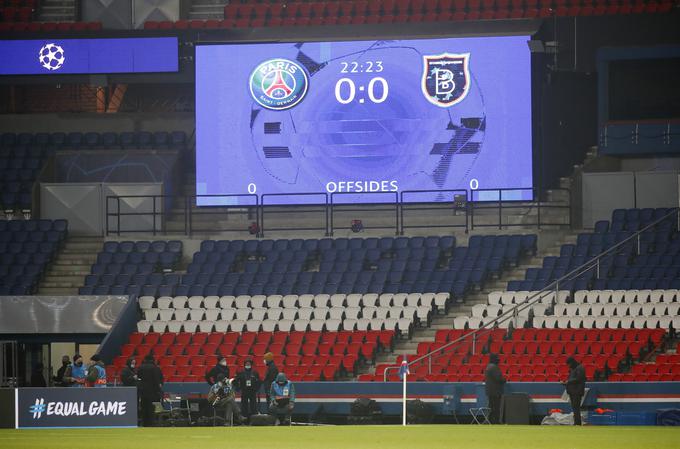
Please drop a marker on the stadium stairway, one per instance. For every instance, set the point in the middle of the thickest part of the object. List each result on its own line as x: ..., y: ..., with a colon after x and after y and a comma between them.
x: 57, y: 11
x: 409, y: 347
x: 67, y: 273
x: 207, y: 9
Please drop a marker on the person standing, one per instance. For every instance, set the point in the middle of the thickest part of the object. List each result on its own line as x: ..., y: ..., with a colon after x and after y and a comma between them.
x: 59, y: 378
x: 248, y: 383
x: 151, y: 388
x: 76, y: 373
x: 128, y: 376
x: 494, y: 383
x: 270, y: 375
x: 37, y: 377
x: 282, y: 399
x: 220, y: 368
x: 96, y: 373
x: 576, y: 387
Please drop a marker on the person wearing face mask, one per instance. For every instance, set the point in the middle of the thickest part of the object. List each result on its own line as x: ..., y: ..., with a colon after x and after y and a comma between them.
x: 96, y: 373
x: 59, y: 378
x: 76, y: 373
x: 220, y: 368
x: 270, y: 375
x: 248, y: 382
x: 282, y: 396
x: 128, y: 376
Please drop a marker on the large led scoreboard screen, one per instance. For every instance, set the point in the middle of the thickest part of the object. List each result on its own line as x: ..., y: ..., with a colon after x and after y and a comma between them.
x: 362, y: 116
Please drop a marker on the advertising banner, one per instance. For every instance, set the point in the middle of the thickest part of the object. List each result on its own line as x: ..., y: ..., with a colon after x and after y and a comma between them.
x: 75, y: 407
x: 70, y: 56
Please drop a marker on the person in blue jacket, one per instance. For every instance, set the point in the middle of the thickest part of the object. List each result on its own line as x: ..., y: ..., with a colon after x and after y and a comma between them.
x: 76, y: 373
x: 282, y: 399
x: 96, y: 373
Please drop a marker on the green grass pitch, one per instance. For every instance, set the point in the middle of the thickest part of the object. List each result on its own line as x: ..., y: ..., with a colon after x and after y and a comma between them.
x: 349, y: 437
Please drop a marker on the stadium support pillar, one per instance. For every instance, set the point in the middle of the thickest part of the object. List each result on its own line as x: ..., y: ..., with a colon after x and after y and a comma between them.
x: 101, y: 99
x: 116, y: 99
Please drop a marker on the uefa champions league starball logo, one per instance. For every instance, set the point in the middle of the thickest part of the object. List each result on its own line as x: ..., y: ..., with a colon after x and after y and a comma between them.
x: 51, y: 56
x: 278, y: 84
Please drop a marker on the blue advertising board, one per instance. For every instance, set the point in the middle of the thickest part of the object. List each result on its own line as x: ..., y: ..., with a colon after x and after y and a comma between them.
x: 75, y: 407
x: 80, y: 56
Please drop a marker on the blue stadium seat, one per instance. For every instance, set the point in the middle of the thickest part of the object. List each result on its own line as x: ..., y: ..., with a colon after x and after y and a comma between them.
x: 161, y: 140
x: 109, y: 140
x: 144, y: 140
x: 58, y: 139
x: 8, y: 139
x: 74, y: 140
x: 91, y: 140
x: 178, y: 140
x: 128, y: 140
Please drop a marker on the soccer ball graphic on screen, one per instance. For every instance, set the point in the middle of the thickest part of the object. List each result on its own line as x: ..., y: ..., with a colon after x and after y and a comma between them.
x: 51, y: 56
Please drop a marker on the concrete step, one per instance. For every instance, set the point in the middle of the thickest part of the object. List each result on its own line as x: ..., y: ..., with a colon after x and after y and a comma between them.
x: 69, y: 270
x: 77, y: 260
x: 60, y: 291
x: 84, y: 245
x: 51, y: 277
x: 70, y: 285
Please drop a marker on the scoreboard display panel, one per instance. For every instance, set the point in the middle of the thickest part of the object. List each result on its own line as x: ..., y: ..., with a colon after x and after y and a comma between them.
x: 362, y: 117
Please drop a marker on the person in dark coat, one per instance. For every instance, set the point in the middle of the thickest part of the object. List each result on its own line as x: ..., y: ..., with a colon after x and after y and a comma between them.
x: 248, y: 383
x: 59, y: 378
x: 151, y: 388
x: 493, y: 383
x: 220, y: 368
x: 37, y: 377
x: 576, y: 387
x: 270, y: 375
x: 128, y: 376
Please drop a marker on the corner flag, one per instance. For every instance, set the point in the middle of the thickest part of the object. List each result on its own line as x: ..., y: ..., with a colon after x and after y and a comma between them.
x: 403, y: 373
x: 403, y: 369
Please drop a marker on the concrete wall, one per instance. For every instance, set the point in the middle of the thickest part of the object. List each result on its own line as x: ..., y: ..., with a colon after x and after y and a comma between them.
x: 604, y: 192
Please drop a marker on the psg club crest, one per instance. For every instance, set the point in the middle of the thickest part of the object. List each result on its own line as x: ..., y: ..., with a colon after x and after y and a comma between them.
x: 278, y: 84
x: 446, y: 78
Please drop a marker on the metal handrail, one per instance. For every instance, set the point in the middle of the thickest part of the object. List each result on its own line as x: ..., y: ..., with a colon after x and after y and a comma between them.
x: 294, y: 211
x: 399, y: 204
x: 154, y: 213
x: 428, y: 205
x: 333, y: 205
x: 538, y: 295
x: 534, y: 202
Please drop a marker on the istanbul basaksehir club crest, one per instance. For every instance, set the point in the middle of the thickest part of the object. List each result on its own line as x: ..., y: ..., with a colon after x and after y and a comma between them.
x: 278, y: 84
x: 446, y: 78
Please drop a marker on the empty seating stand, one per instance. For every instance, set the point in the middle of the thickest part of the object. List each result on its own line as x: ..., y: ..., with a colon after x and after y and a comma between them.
x: 134, y: 268
x: 12, y: 11
x: 653, y: 264
x: 253, y: 14
x: 345, y: 266
x: 21, y: 160
x: 313, y: 337
x: 533, y: 355
x: 26, y: 247
x: 23, y: 155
